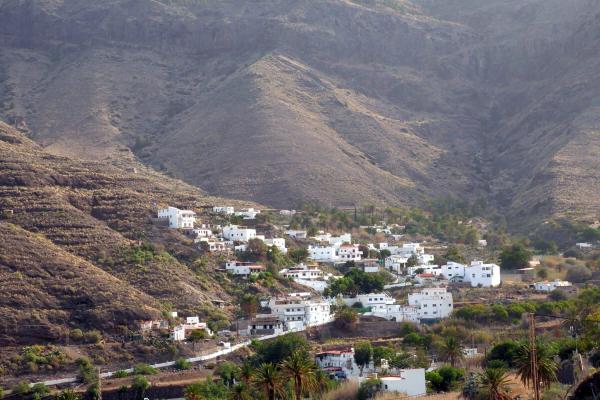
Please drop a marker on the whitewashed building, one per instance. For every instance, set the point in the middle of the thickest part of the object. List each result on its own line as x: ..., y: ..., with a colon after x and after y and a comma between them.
x: 409, y: 382
x: 340, y: 240
x: 178, y: 219
x: 298, y: 311
x: 338, y: 361
x: 396, y: 263
x: 349, y: 252
x: 384, y: 306
x: 484, y: 275
x: 238, y: 233
x: 432, y: 303
x: 296, y: 234
x: 279, y: 243
x: 302, y: 271
x: 323, y: 254
x: 226, y: 210
x: 248, y: 213
x: 243, y: 268
x: 547, y: 286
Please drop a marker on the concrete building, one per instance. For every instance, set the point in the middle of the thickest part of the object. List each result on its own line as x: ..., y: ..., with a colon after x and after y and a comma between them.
x: 409, y: 382
x: 238, y: 233
x: 547, y: 286
x: 323, y: 254
x: 226, y: 210
x: 338, y: 362
x: 432, y: 303
x: 266, y: 324
x: 396, y: 263
x: 248, y: 213
x: 302, y: 271
x: 277, y: 242
x: 243, y: 268
x: 384, y: 306
x: 296, y: 234
x: 349, y: 252
x: 299, y: 311
x: 178, y: 219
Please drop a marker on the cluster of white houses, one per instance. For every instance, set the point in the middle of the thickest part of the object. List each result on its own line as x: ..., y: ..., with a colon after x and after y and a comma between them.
x: 426, y: 304
x: 340, y: 364
x: 292, y: 312
x: 183, y: 328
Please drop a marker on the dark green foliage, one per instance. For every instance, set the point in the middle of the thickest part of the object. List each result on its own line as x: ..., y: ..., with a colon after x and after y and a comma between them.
x: 355, y: 282
x: 505, y: 352
x: 444, y: 379
x: 578, y: 274
x: 140, y: 384
x: 515, y: 256
x: 363, y: 353
x: 368, y: 389
x: 298, y: 255
x: 273, y: 351
x: 182, y: 364
x: 144, y: 369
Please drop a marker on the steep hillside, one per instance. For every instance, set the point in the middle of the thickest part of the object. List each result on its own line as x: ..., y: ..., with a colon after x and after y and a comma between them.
x: 70, y: 253
x: 339, y: 101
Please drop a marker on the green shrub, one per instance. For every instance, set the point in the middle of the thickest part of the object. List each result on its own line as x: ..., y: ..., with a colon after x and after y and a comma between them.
x: 144, y: 369
x: 182, y: 364
x: 22, y: 388
x: 120, y: 374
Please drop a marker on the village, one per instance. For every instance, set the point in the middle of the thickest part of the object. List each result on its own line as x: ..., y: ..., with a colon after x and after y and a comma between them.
x: 416, y: 289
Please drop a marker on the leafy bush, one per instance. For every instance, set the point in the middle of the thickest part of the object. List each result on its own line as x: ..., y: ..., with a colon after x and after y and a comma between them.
x: 506, y: 352
x: 275, y: 350
x: 368, y: 389
x: 515, y: 256
x: 445, y: 378
x: 182, y: 364
x: 578, y: 274
x: 144, y: 369
x: 206, y: 390
x: 120, y: 374
x: 22, y: 388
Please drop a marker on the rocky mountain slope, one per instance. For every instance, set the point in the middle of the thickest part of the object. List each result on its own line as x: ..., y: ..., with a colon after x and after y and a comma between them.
x: 338, y: 101
x: 70, y: 254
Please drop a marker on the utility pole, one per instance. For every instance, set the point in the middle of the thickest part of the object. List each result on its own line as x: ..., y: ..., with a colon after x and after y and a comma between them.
x: 533, y: 354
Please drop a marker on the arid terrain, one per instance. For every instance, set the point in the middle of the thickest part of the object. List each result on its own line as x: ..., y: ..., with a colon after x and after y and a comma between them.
x: 337, y: 101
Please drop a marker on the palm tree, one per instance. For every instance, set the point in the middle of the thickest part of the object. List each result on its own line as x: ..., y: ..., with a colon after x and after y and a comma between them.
x: 268, y: 379
x: 240, y: 392
x: 246, y: 372
x: 546, y: 367
x: 451, y: 351
x: 322, y: 383
x: 495, y: 381
x: 301, y: 370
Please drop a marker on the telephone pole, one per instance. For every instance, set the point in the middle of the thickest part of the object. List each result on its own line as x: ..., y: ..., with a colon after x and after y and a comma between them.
x: 533, y: 355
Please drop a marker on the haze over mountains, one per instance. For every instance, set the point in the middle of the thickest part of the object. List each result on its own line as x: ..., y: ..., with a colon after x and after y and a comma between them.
x: 338, y: 101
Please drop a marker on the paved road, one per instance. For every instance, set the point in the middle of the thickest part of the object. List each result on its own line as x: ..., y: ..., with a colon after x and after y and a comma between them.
x: 206, y: 357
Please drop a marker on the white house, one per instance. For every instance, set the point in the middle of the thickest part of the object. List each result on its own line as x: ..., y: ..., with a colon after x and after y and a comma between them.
x: 216, y: 245
x: 349, y: 252
x: 396, y: 263
x: 432, y: 303
x: 383, y: 305
x: 300, y: 311
x: 227, y: 210
x: 477, y: 274
x: 484, y: 275
x: 323, y: 254
x: 296, y: 234
x: 266, y: 324
x: 546, y: 286
x: 302, y: 271
x: 238, y: 233
x: 243, y: 268
x: 338, y: 361
x: 178, y: 333
x: 410, y: 382
x: 248, y: 213
x: 584, y: 245
x: 178, y: 219
x: 339, y: 240
x: 277, y: 242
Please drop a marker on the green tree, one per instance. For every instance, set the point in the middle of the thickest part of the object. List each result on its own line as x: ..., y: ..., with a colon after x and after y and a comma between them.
x: 451, y: 351
x: 206, y: 390
x: 368, y: 389
x: 246, y: 372
x: 240, y: 391
x: 228, y: 372
x: 249, y: 305
x: 546, y: 366
x: 454, y: 254
x: 269, y: 380
x: 515, y: 256
x: 496, y: 383
x: 578, y: 274
x: 139, y: 385
x: 346, y: 318
x: 301, y: 369
x: 298, y: 255
x: 363, y: 353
